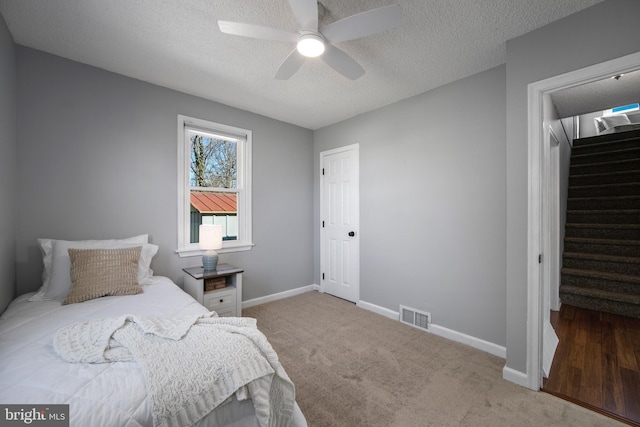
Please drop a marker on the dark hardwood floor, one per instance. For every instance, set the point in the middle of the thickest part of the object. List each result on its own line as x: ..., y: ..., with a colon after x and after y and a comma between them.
x: 597, y: 362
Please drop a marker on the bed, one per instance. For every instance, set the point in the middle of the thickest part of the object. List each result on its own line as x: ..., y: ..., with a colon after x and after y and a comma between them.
x: 36, y: 365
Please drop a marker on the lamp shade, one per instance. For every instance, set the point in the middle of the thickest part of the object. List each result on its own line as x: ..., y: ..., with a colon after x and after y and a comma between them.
x: 210, y: 236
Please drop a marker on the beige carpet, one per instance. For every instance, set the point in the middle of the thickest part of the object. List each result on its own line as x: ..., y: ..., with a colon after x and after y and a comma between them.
x: 352, y: 367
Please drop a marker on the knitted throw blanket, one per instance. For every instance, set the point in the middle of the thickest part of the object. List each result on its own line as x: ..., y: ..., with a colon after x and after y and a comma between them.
x: 191, y: 364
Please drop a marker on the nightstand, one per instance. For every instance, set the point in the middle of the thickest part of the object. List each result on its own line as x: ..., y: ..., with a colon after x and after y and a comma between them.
x: 227, y: 300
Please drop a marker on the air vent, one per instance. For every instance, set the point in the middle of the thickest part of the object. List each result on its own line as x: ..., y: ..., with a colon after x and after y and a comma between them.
x: 416, y: 318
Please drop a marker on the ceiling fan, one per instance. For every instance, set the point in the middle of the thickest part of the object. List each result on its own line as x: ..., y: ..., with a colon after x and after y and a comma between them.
x: 313, y: 41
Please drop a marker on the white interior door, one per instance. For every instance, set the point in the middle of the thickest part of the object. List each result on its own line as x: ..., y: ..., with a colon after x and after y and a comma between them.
x: 549, y: 244
x: 340, y: 214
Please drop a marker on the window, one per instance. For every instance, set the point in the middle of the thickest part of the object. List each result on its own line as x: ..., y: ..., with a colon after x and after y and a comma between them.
x: 621, y: 109
x: 214, y: 183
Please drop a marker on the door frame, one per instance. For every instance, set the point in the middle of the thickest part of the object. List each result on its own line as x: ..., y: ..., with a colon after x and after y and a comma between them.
x: 353, y: 147
x: 537, y: 286
x: 552, y: 268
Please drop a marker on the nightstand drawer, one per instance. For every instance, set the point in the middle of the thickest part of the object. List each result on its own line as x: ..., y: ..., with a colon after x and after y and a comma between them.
x: 227, y: 300
x: 219, y: 300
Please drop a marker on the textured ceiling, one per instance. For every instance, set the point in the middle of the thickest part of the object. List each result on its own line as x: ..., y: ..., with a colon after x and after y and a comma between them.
x: 599, y: 95
x: 177, y: 44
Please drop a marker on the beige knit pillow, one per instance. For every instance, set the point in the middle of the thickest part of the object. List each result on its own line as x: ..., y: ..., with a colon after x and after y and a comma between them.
x: 98, y: 273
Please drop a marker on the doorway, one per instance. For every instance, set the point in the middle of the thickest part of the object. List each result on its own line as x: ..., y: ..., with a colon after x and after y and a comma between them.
x: 340, y: 222
x: 538, y: 285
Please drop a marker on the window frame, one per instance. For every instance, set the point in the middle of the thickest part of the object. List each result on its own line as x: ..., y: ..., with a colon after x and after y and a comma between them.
x: 243, y: 139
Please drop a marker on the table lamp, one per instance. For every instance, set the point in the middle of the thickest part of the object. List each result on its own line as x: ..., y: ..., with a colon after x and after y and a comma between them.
x: 210, y: 240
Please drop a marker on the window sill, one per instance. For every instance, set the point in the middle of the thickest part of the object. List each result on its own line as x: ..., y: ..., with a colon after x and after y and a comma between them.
x: 189, y: 252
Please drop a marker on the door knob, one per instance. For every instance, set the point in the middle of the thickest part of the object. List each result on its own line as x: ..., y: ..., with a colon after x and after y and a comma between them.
x: 352, y: 233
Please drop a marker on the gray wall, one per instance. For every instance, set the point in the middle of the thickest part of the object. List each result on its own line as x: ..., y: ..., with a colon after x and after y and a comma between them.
x: 8, y: 175
x: 97, y: 159
x: 432, y: 203
x: 572, y: 43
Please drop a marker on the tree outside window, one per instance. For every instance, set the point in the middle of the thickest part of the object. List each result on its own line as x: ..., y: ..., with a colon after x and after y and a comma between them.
x: 214, y: 161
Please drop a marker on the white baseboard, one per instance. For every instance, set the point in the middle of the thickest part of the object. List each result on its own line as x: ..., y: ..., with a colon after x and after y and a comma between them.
x: 450, y: 334
x: 280, y: 295
x: 393, y: 315
x: 515, y: 377
x: 474, y: 342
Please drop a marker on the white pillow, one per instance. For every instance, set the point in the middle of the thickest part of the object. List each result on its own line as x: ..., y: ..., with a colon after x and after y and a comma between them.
x: 618, y: 119
x: 60, y: 281
x: 600, y: 127
x: 47, y: 249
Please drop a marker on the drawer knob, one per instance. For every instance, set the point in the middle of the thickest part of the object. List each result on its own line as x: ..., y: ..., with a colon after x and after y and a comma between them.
x: 221, y: 300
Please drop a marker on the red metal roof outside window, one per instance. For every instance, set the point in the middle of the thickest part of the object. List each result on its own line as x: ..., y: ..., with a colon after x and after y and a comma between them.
x: 215, y: 203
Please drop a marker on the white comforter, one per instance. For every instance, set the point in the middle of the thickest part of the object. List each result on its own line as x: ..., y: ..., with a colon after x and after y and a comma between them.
x: 191, y: 364
x: 106, y: 394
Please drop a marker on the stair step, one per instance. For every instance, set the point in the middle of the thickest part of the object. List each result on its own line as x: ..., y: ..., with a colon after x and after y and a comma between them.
x: 607, y: 302
x: 605, y: 156
x: 604, y: 216
x: 599, y: 293
x: 571, y: 278
x: 630, y: 248
x: 605, y: 190
x: 606, y: 146
x: 600, y: 167
x: 598, y: 139
x: 588, y: 276
x: 623, y: 177
x: 603, y: 231
x: 599, y: 203
x: 629, y: 266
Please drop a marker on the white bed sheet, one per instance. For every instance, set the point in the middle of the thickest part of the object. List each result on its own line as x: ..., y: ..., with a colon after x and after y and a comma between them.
x: 108, y: 394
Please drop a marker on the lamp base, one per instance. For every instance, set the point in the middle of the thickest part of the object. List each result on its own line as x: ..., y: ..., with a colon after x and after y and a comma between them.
x: 210, y: 260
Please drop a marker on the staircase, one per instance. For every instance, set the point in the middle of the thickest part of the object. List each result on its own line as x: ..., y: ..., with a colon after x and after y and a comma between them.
x: 601, y: 260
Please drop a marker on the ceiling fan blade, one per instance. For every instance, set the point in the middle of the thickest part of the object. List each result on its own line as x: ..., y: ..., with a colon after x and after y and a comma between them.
x: 363, y: 24
x: 256, y: 31
x: 342, y: 63
x: 289, y: 66
x: 306, y: 13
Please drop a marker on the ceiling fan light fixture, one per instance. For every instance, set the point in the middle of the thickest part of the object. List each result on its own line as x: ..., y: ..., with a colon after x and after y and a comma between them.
x: 310, y: 45
x: 313, y: 41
